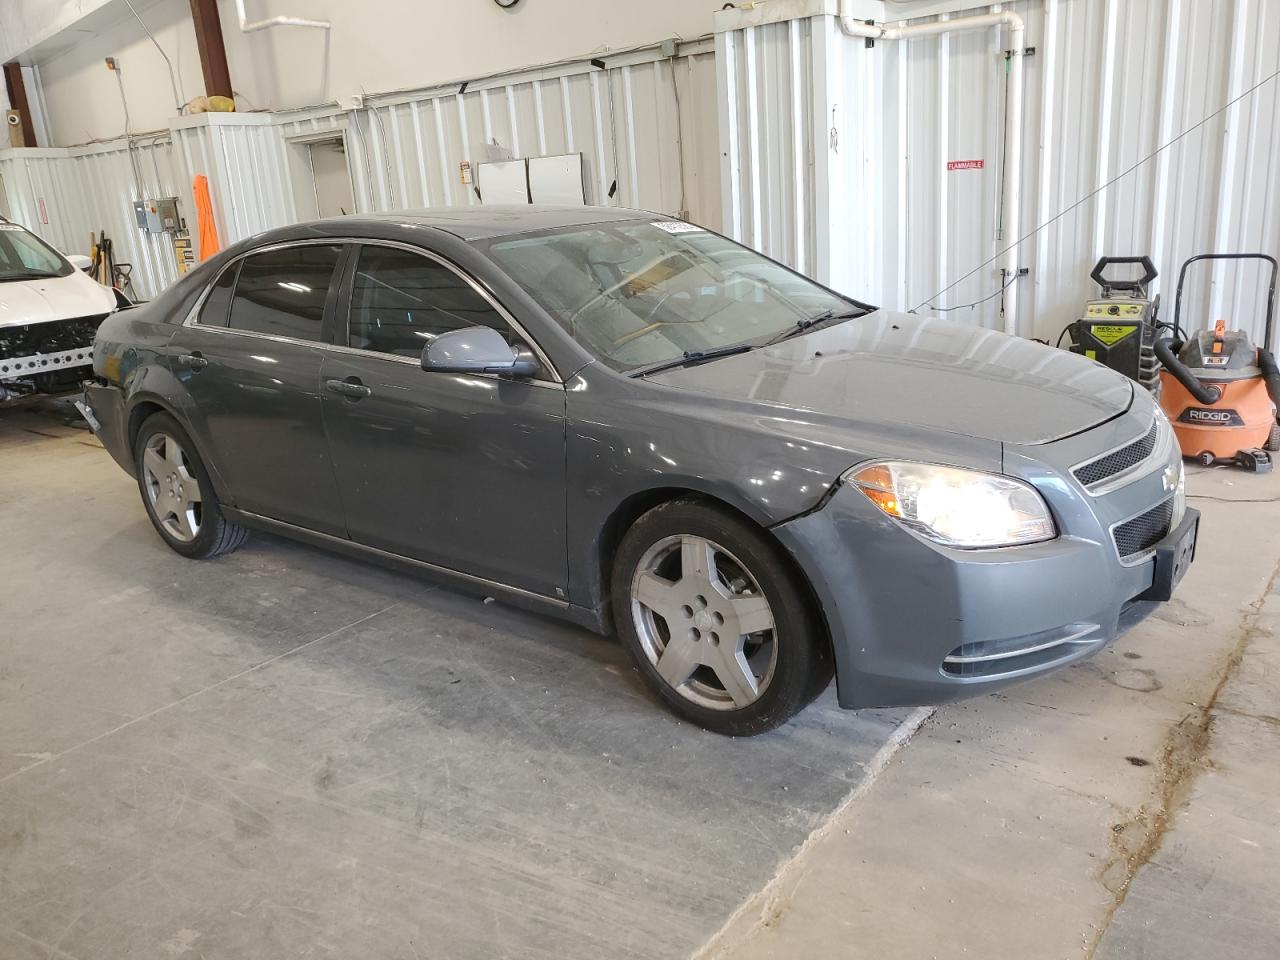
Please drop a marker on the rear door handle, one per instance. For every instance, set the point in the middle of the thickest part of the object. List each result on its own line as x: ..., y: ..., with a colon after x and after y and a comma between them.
x: 193, y: 361
x: 350, y: 388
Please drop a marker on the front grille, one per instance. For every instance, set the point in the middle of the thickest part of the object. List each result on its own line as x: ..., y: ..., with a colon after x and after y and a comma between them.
x: 34, y: 350
x: 1136, y: 536
x: 1119, y: 460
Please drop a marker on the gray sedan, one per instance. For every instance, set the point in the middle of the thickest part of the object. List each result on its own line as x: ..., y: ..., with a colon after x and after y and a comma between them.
x: 642, y: 426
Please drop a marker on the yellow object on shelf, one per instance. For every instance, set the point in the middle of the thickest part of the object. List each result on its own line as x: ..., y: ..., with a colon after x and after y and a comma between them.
x: 215, y: 104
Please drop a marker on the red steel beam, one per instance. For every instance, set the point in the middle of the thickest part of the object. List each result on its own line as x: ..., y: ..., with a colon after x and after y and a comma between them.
x: 18, y: 100
x: 213, y: 54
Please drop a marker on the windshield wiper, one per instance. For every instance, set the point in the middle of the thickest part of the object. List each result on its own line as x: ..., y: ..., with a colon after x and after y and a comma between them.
x: 691, y: 357
x: 805, y: 323
x: 28, y: 275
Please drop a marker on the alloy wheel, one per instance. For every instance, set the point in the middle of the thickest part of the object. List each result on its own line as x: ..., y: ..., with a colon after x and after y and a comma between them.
x: 172, y: 490
x: 704, y: 623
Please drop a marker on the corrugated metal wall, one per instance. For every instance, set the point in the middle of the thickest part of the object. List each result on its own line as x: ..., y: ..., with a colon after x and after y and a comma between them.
x: 834, y: 154
x: 772, y: 135
x: 64, y: 196
x: 37, y: 184
x: 403, y: 151
x: 1109, y: 82
x: 243, y: 157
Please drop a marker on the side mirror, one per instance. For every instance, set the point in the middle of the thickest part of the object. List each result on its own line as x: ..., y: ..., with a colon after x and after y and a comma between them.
x: 80, y: 262
x: 477, y: 350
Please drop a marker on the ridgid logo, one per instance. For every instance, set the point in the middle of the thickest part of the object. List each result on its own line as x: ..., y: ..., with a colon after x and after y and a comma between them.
x: 1221, y: 418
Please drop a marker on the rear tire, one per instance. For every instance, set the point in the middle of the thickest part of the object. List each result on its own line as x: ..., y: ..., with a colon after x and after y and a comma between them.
x: 177, y: 494
x: 716, y: 620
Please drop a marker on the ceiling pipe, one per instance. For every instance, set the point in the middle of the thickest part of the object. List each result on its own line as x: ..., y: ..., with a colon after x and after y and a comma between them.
x: 247, y: 27
x: 1011, y: 215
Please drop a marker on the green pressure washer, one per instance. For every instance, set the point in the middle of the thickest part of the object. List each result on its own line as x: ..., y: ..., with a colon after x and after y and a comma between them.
x: 1119, y: 328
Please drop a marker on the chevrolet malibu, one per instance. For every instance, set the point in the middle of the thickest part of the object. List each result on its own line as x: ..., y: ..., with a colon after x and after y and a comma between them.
x: 642, y: 426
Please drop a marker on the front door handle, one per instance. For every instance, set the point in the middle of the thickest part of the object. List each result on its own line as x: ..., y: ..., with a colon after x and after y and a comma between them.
x: 351, y: 388
x: 193, y: 361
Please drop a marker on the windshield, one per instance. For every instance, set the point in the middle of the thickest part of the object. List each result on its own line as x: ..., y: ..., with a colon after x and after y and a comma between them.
x: 24, y: 256
x: 640, y: 293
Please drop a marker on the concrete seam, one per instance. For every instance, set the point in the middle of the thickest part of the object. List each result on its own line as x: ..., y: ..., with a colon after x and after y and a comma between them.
x: 1178, y: 770
x: 792, y: 869
x: 50, y: 949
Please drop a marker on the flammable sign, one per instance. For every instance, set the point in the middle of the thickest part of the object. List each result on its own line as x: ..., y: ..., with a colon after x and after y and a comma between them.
x: 966, y: 164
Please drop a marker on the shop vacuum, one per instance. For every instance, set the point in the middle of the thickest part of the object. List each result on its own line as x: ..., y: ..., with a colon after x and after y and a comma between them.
x: 1220, y: 392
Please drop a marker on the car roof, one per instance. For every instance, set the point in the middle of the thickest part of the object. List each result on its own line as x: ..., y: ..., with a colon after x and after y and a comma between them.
x: 487, y: 222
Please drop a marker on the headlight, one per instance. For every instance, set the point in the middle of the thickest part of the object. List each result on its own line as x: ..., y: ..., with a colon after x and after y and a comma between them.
x: 956, y: 507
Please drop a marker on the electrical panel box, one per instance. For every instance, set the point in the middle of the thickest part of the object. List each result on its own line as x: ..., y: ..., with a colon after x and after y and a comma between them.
x: 167, y: 210
x: 146, y: 220
x: 159, y: 215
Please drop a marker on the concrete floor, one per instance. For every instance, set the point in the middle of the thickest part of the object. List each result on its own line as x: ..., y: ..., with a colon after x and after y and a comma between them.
x: 1212, y: 889
x: 1126, y: 807
x: 282, y: 753
x: 286, y: 754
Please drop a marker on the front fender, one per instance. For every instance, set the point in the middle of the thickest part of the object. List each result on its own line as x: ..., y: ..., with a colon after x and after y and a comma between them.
x: 769, y: 462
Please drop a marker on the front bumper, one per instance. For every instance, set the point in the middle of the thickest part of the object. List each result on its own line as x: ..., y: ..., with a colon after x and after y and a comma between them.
x: 25, y: 367
x: 913, y: 622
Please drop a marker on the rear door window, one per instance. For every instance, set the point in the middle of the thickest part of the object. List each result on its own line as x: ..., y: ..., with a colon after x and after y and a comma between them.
x: 282, y: 292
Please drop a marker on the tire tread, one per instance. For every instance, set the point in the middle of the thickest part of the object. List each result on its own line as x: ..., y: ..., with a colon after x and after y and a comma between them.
x: 224, y: 536
x: 809, y: 668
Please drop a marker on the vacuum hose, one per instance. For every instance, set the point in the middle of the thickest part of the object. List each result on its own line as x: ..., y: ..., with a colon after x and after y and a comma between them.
x: 1167, y: 350
x: 1270, y: 373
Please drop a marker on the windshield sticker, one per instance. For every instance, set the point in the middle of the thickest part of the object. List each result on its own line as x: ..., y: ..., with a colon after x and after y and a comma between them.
x: 677, y: 226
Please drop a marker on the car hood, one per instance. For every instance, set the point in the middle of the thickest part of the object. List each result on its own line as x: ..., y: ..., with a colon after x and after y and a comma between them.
x: 57, y: 298
x: 892, y: 368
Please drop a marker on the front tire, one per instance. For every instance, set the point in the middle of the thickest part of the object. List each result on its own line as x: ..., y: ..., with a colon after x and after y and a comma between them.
x: 716, y: 620
x: 177, y: 494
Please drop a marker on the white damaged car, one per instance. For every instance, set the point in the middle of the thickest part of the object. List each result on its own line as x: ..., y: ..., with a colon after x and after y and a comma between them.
x: 49, y: 313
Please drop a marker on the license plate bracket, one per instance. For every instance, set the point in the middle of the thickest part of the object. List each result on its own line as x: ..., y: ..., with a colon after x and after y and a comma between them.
x: 1174, y: 555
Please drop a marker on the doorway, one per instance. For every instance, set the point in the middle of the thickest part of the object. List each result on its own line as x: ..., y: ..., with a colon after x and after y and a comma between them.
x: 333, y: 194
x: 321, y: 177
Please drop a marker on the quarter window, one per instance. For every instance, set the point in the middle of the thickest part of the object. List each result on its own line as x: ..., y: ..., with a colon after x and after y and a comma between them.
x: 282, y: 292
x: 400, y: 301
x: 213, y: 313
